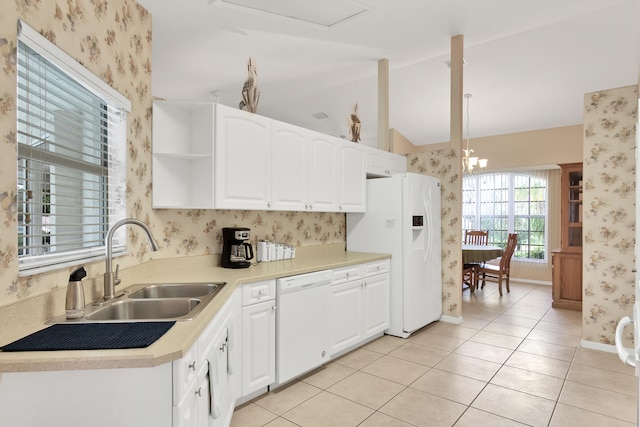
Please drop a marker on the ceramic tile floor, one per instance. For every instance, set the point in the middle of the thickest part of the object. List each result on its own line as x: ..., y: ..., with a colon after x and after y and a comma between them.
x: 514, y: 361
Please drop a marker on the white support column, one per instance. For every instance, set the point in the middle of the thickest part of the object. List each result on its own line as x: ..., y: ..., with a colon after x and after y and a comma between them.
x: 383, y: 104
x: 457, y: 52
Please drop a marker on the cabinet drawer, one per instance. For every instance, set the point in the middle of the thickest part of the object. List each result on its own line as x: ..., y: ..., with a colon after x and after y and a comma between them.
x: 253, y: 293
x: 378, y: 267
x: 346, y: 274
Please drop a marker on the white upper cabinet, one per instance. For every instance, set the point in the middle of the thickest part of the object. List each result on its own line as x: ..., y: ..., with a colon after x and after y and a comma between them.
x: 396, y: 163
x: 305, y: 169
x: 322, y: 158
x: 242, y: 159
x: 289, y: 191
x: 382, y: 163
x: 353, y: 187
x: 210, y: 156
x: 182, y: 155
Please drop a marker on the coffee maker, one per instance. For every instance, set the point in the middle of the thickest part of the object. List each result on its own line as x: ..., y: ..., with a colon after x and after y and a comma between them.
x: 236, y: 252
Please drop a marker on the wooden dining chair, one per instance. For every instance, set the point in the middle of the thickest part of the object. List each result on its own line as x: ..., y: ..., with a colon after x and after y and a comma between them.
x: 473, y: 237
x: 498, y: 273
x: 476, y: 237
x: 468, y: 277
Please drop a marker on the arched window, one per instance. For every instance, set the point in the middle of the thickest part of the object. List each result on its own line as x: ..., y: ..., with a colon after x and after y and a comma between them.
x: 509, y: 202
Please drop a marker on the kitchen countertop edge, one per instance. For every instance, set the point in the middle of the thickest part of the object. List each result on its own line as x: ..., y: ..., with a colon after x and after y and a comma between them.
x: 179, y: 339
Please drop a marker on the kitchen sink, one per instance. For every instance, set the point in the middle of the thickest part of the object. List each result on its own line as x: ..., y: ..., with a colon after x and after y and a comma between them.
x: 151, y: 309
x: 176, y: 290
x: 147, y: 302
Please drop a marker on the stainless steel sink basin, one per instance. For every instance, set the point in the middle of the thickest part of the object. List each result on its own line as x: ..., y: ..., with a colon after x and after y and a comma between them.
x: 151, y: 309
x: 176, y: 290
x: 146, y: 302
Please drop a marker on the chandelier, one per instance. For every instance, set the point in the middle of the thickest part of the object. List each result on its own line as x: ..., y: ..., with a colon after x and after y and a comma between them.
x: 469, y: 161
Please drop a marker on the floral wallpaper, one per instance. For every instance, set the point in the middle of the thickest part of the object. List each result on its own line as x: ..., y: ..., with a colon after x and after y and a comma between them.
x: 609, y: 199
x: 113, y: 40
x: 445, y: 164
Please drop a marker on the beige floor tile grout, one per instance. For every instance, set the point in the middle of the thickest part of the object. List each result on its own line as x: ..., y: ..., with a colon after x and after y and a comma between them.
x: 511, y: 308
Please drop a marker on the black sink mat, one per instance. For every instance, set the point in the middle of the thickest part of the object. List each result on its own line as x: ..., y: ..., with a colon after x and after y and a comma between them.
x: 92, y: 336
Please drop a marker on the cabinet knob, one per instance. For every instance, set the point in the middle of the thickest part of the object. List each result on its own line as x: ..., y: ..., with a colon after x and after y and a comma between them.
x: 192, y: 365
x: 262, y: 292
x: 347, y: 275
x: 274, y: 308
x: 268, y: 204
x: 199, y: 391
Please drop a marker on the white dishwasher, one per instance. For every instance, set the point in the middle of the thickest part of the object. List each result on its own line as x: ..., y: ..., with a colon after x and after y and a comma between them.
x: 303, y: 336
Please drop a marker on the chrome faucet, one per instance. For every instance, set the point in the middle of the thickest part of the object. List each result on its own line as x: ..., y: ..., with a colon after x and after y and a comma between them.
x: 111, y: 279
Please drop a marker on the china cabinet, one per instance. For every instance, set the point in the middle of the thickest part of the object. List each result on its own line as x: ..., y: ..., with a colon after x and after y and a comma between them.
x: 567, y: 260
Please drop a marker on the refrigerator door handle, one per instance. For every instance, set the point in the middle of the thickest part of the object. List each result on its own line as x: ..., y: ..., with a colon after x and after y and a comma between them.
x: 627, y: 357
x: 429, y: 227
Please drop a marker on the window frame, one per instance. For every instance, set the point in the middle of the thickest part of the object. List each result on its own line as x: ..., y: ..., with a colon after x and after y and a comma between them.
x: 510, y: 215
x: 113, y: 204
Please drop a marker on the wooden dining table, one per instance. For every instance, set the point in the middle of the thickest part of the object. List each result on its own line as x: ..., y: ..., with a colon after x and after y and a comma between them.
x: 477, y: 254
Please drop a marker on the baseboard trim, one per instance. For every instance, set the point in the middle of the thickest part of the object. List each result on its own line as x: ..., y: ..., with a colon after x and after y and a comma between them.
x: 532, y: 282
x: 450, y: 319
x: 592, y: 345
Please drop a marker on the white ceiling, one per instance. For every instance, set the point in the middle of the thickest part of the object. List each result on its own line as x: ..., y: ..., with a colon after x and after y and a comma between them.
x: 529, y: 63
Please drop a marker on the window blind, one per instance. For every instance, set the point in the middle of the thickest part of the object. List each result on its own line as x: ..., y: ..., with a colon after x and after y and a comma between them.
x: 71, y: 167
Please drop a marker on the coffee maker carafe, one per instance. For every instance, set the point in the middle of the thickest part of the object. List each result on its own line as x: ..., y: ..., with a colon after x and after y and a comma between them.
x: 236, y: 252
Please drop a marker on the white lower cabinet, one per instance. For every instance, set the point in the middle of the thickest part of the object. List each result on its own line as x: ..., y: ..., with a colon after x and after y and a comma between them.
x: 376, y: 303
x: 206, y: 379
x: 191, y: 410
x: 359, y: 304
x: 258, y: 336
x: 346, y: 315
x: 233, y: 358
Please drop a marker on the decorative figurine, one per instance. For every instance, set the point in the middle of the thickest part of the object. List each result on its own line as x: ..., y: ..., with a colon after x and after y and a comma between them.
x: 354, y: 124
x: 250, y: 94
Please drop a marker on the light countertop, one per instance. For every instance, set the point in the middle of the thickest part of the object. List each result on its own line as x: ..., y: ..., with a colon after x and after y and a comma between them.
x: 177, y: 341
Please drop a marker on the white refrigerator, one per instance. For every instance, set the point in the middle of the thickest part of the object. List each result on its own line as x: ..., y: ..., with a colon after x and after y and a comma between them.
x: 403, y: 219
x: 631, y: 357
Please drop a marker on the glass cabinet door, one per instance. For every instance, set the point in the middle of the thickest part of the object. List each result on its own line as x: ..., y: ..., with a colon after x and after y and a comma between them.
x: 571, y: 210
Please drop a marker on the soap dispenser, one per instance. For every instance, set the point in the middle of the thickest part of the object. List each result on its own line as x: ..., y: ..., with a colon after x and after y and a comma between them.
x: 75, y: 294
